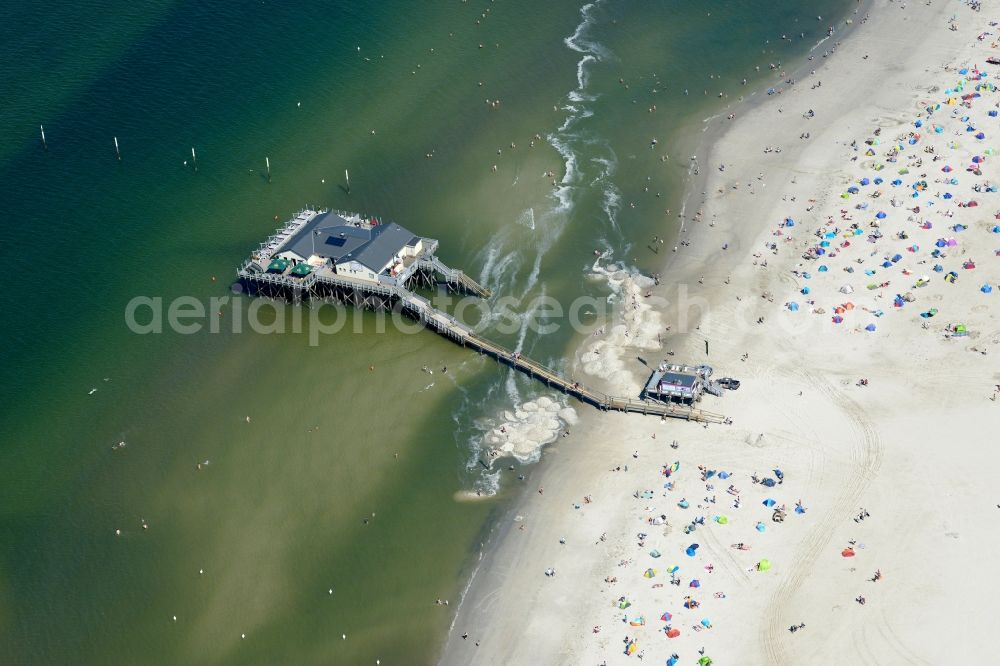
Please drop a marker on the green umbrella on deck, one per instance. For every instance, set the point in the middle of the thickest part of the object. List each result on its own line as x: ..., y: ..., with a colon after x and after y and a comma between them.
x: 278, y: 265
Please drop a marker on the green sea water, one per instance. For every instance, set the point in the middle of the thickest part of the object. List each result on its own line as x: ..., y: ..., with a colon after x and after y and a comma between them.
x: 252, y: 542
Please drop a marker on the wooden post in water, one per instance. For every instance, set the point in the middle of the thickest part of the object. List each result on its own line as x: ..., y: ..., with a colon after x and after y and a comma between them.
x: 117, y: 151
x: 45, y: 146
x: 347, y: 177
x: 267, y: 161
x: 194, y: 159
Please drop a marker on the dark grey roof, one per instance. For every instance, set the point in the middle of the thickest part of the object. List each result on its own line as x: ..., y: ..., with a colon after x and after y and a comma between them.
x: 388, y: 240
x: 331, y: 236
x: 677, y: 379
x: 668, y: 380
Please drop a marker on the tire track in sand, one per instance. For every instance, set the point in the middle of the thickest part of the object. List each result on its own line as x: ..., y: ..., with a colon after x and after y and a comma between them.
x: 865, y: 458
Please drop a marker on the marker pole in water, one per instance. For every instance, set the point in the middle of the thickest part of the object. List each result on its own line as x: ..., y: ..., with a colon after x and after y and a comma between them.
x: 44, y: 145
x: 347, y: 177
x: 194, y: 159
x: 267, y: 162
x: 117, y: 151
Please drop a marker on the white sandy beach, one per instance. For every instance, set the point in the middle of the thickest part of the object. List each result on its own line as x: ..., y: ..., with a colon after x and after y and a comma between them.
x: 913, y: 449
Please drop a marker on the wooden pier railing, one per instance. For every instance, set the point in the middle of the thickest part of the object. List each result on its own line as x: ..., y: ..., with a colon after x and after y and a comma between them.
x: 456, y: 277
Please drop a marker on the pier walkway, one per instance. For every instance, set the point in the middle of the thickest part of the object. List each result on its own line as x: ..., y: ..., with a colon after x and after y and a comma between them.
x: 449, y: 327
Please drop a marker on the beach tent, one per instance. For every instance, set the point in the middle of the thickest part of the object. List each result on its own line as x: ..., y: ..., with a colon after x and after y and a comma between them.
x: 705, y: 622
x: 769, y: 502
x: 631, y: 647
x: 650, y: 573
x: 723, y: 520
x: 638, y: 621
x: 763, y: 565
x: 674, y: 569
x: 673, y: 633
x: 870, y: 327
x: 654, y: 553
x: 666, y: 617
x: 705, y: 661
x: 683, y: 504
x: 793, y: 306
x: 760, y: 526
x: 986, y: 289
x: 624, y: 603
x: 695, y: 583
x: 847, y: 552
x: 672, y: 661
x: 691, y: 550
